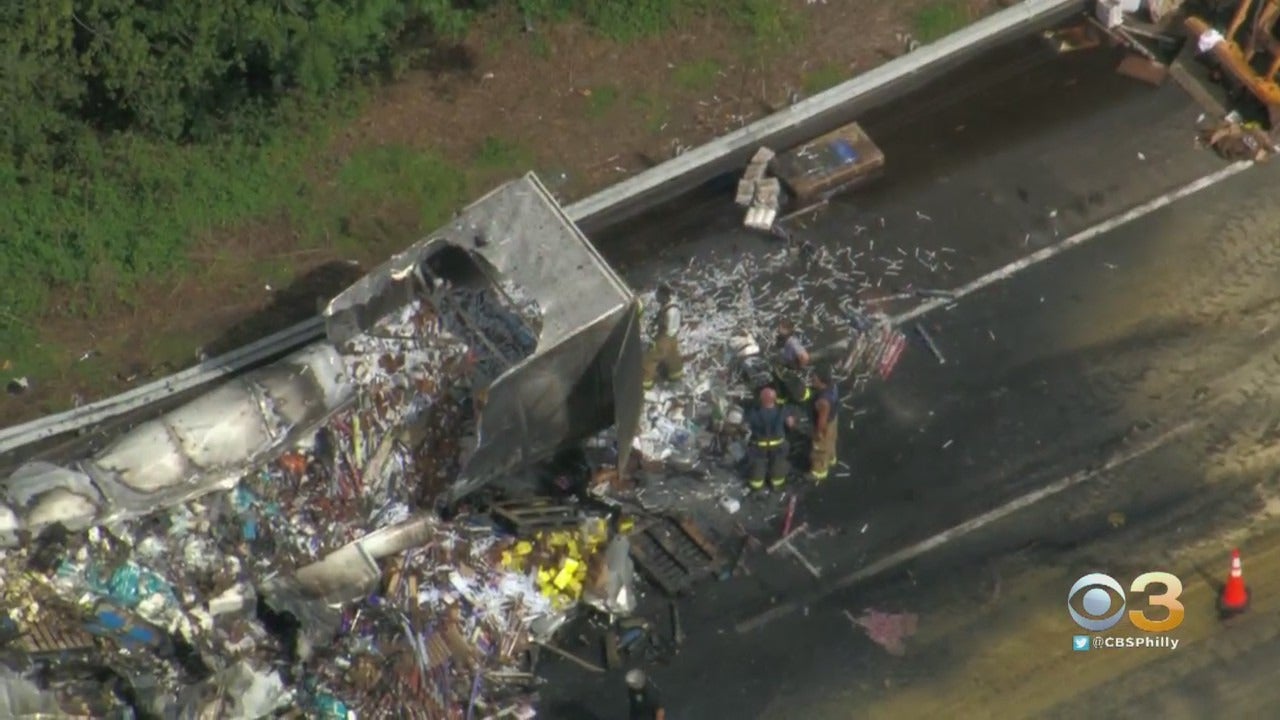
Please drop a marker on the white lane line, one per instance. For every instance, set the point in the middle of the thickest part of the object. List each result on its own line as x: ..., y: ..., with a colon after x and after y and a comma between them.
x: 964, y: 528
x: 1079, y: 238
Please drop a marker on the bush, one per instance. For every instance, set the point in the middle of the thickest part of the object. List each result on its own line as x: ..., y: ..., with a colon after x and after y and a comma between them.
x: 180, y: 70
x: 127, y: 127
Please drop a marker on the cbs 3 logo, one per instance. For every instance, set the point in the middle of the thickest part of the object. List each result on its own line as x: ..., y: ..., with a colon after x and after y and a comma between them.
x: 1104, y: 602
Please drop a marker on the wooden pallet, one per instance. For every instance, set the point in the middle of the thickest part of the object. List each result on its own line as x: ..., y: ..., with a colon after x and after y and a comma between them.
x: 42, y: 638
x: 675, y: 554
x: 526, y: 517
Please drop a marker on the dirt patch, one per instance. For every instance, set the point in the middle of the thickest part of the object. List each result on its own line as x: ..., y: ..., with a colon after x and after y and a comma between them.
x: 582, y: 111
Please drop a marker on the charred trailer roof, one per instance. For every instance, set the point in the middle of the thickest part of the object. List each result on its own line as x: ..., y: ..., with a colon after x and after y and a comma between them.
x: 580, y: 373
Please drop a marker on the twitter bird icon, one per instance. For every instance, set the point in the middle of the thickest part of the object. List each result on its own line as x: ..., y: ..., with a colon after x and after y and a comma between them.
x: 1080, y: 643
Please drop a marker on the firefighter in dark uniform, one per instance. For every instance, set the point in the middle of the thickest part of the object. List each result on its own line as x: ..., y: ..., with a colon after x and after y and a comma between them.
x: 826, y: 411
x: 767, y: 454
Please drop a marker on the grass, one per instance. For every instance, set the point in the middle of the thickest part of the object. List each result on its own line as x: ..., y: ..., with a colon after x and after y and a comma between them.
x: 656, y: 111
x: 771, y: 24
x: 541, y: 47
x: 129, y: 211
x: 824, y: 77
x: 135, y: 215
x: 940, y: 18
x: 496, y: 155
x: 405, y: 174
x: 601, y: 100
x: 350, y: 213
x: 697, y: 75
x: 763, y: 20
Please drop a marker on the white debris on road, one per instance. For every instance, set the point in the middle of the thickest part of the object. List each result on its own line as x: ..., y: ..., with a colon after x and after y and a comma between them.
x: 832, y: 295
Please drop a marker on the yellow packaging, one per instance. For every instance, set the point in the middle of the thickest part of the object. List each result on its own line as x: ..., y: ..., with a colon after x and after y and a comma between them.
x: 566, y: 573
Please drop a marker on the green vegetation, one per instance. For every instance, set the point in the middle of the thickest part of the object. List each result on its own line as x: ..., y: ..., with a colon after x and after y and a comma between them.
x: 656, y: 112
x: 698, y: 75
x: 940, y: 18
x: 601, y: 100
x: 127, y: 130
x: 823, y: 77
x: 626, y: 20
x: 495, y: 155
x: 541, y: 46
x: 419, y: 181
x: 770, y: 22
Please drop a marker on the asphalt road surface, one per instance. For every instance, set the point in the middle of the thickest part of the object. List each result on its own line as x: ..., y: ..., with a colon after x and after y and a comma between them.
x: 1121, y: 390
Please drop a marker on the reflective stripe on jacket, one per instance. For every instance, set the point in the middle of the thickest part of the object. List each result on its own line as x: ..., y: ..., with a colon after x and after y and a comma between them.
x: 768, y: 426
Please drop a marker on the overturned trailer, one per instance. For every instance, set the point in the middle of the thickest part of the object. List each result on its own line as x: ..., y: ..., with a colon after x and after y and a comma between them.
x: 584, y: 373
x: 582, y: 376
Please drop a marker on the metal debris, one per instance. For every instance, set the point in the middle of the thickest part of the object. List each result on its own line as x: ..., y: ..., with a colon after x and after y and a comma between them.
x: 933, y: 347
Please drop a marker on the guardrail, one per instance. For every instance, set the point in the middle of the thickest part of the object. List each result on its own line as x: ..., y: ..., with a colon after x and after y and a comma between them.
x: 625, y: 199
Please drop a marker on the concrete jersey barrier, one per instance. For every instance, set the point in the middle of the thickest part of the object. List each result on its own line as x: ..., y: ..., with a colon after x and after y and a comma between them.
x: 625, y: 199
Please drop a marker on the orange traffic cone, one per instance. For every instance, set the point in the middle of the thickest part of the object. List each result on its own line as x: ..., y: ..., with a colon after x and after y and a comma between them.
x: 1235, y: 596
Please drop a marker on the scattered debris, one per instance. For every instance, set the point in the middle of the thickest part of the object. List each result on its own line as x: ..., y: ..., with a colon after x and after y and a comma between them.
x: 677, y: 627
x: 928, y: 341
x: 1074, y: 38
x: 786, y: 543
x: 888, y: 630
x: 1144, y: 68
x: 1234, y: 139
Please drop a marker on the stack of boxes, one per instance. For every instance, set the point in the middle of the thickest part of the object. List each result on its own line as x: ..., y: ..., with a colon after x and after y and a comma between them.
x: 760, y: 194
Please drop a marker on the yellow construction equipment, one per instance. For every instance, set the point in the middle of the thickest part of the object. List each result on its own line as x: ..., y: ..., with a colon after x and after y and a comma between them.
x: 1249, y: 43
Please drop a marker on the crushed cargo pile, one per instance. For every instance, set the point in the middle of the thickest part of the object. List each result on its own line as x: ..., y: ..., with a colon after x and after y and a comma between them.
x: 174, y: 597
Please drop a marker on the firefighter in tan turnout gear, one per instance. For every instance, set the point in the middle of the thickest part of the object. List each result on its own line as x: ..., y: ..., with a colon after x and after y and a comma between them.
x: 826, y: 419
x: 663, y: 360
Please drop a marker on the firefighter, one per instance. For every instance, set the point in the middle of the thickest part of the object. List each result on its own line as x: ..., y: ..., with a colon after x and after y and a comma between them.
x: 768, y: 451
x: 793, y: 365
x: 826, y: 410
x: 663, y: 358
